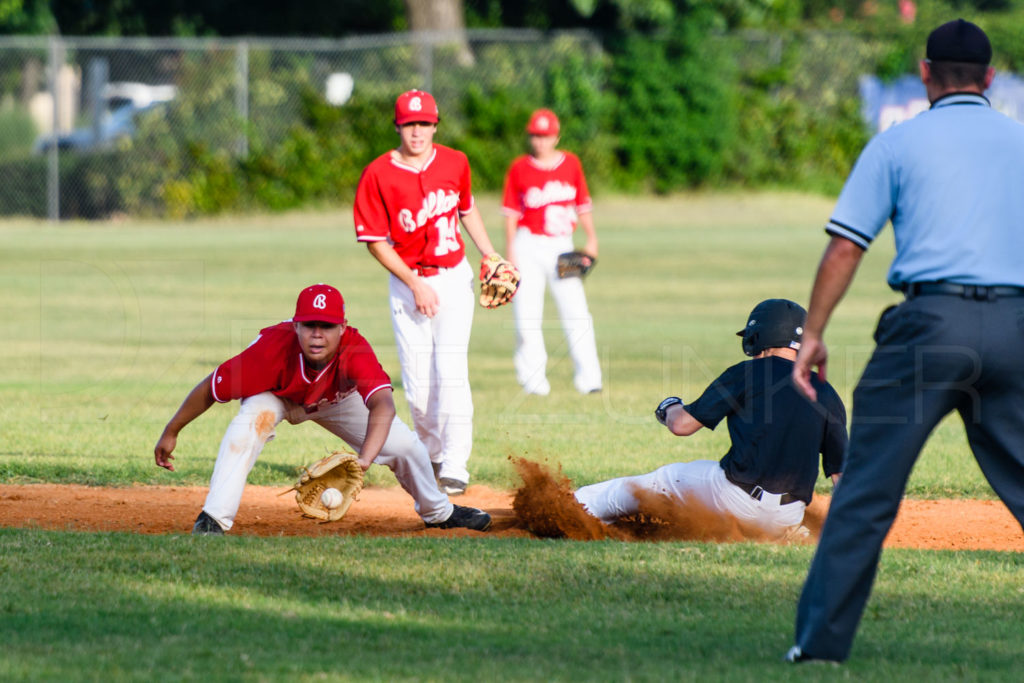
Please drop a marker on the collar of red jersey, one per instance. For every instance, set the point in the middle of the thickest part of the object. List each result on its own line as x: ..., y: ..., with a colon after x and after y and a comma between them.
x: 409, y: 167
x: 302, y: 368
x: 547, y: 167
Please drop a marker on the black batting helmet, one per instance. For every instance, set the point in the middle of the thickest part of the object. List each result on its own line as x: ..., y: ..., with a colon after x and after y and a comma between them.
x: 773, y: 323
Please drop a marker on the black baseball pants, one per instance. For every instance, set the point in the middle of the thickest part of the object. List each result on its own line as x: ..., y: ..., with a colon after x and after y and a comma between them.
x: 934, y: 354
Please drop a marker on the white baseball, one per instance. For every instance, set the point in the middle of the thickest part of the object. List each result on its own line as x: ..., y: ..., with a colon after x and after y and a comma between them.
x: 331, y: 498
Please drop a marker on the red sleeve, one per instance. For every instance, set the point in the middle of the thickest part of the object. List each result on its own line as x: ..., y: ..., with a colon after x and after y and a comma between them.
x: 369, y: 211
x: 583, y: 203
x: 359, y: 364
x: 511, y: 204
x: 253, y: 371
x: 465, y: 187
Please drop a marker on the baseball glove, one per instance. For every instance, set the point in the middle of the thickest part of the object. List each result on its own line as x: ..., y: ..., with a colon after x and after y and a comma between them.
x: 575, y: 264
x: 499, y: 281
x: 341, y: 471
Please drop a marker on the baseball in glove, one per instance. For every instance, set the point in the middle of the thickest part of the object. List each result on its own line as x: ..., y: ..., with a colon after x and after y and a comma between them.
x: 575, y: 264
x: 340, y: 471
x: 499, y: 281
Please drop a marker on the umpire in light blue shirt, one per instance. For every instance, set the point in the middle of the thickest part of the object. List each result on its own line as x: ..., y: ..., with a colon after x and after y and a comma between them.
x: 951, y: 180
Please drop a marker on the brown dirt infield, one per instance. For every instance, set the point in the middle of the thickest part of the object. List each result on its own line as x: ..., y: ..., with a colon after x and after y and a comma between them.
x: 928, y: 524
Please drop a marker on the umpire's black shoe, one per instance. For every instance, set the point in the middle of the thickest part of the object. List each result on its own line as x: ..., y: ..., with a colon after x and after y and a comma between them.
x: 797, y: 656
x: 464, y: 518
x: 206, y: 526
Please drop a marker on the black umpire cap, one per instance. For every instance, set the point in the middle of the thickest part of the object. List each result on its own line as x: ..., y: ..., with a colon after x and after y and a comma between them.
x: 774, y: 323
x: 959, y: 41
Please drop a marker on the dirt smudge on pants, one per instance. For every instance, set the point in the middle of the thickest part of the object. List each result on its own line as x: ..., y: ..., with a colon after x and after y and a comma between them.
x: 265, y: 423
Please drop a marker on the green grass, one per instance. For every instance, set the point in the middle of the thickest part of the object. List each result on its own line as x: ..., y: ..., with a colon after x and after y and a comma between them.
x: 246, y: 608
x: 107, y: 326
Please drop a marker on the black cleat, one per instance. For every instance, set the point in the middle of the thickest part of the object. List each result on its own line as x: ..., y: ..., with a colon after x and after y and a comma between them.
x: 451, y: 487
x: 464, y: 518
x: 206, y: 526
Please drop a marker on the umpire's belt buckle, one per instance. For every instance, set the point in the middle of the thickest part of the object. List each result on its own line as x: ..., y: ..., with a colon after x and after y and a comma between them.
x: 756, y: 493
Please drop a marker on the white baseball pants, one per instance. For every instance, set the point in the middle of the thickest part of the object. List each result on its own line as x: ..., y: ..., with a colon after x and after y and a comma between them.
x: 255, y: 425
x: 701, y: 480
x: 536, y: 257
x: 433, y: 353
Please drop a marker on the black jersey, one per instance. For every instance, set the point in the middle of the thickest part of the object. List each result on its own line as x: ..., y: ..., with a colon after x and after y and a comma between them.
x: 776, y: 433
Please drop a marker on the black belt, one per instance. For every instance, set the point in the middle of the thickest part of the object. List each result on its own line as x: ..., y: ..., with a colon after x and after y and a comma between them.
x: 755, y: 492
x: 976, y: 292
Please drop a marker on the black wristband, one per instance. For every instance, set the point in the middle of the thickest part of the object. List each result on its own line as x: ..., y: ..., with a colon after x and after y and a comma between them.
x: 662, y: 410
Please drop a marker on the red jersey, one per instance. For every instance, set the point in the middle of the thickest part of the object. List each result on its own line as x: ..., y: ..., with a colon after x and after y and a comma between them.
x: 416, y: 210
x: 274, y: 363
x: 547, y: 201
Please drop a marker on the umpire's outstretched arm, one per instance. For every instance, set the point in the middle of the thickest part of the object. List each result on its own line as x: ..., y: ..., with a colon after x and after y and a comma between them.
x: 835, y: 273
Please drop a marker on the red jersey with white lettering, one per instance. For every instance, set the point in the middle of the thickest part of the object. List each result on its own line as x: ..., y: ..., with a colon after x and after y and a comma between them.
x: 417, y: 210
x: 274, y: 363
x: 547, y: 201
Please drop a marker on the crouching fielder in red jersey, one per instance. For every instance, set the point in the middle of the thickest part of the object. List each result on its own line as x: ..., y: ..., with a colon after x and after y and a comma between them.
x: 316, y: 368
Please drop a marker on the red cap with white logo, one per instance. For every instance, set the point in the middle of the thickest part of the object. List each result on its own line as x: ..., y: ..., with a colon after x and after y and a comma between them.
x: 414, y: 106
x: 543, y: 122
x: 321, y: 303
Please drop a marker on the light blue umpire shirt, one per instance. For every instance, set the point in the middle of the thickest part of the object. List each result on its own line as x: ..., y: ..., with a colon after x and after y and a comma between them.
x: 952, y: 181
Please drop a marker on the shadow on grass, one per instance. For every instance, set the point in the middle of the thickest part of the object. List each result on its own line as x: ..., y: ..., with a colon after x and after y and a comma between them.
x: 93, y: 605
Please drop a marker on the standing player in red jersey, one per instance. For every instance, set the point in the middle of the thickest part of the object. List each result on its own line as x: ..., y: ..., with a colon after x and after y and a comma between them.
x: 545, y: 196
x: 312, y: 367
x: 408, y: 206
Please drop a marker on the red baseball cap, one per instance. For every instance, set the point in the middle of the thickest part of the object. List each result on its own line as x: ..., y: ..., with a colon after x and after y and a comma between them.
x: 543, y: 122
x: 415, y: 105
x: 322, y: 303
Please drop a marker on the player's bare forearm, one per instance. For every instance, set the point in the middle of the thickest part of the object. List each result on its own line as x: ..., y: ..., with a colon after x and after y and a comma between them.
x: 381, y: 406
x: 680, y: 422
x: 835, y: 273
x: 473, y: 222
x: 389, y: 258
x: 426, y: 298
x: 587, y: 224
x: 195, y: 404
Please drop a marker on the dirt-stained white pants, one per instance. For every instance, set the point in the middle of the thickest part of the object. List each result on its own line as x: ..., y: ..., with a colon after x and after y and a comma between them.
x: 536, y: 257
x: 433, y: 353
x: 254, y: 426
x: 700, y: 480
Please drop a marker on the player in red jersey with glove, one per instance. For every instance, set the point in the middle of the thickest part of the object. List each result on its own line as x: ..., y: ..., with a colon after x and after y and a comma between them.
x: 408, y: 208
x: 546, y: 196
x: 312, y: 367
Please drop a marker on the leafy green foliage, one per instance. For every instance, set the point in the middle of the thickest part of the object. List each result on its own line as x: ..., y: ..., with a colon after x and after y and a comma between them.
x: 696, y: 99
x: 17, y: 131
x: 322, y: 156
x: 26, y: 16
x: 673, y: 120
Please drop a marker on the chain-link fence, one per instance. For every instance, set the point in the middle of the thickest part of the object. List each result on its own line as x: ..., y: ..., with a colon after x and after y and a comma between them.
x: 95, y: 126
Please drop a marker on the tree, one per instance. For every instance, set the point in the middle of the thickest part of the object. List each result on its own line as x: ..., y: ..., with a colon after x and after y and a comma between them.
x: 25, y: 16
x: 443, y: 16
